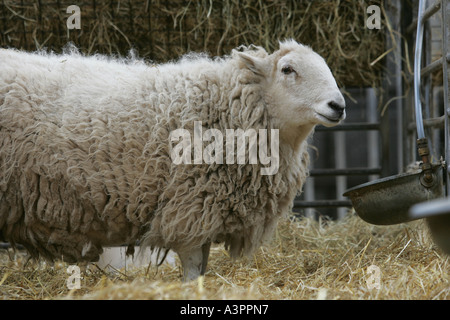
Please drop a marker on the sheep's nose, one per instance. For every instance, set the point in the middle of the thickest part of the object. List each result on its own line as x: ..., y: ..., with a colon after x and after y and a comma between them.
x: 337, y: 107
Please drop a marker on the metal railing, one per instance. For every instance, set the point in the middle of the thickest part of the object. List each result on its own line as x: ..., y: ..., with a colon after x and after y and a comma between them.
x: 436, y: 117
x: 435, y: 110
x: 338, y: 176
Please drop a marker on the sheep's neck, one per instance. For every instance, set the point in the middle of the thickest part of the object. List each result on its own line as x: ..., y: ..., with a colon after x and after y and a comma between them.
x: 295, y: 137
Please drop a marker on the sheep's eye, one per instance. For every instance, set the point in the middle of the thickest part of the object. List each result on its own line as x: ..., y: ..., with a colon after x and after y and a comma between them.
x: 287, y: 70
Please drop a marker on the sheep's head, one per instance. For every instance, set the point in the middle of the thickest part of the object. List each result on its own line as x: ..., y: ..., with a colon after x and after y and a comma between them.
x: 298, y: 87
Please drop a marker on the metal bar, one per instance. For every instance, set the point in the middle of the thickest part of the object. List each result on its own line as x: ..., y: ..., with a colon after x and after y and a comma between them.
x: 427, y: 79
x: 7, y: 245
x: 437, y: 143
x: 322, y: 204
x: 430, y: 68
x: 426, y: 15
x: 395, y: 15
x: 344, y: 172
x: 373, y: 143
x: 309, y: 192
x: 429, y: 123
x: 385, y: 130
x: 435, y: 65
x: 4, y: 245
x: 409, y: 149
x: 351, y: 127
x: 340, y: 162
x: 446, y: 82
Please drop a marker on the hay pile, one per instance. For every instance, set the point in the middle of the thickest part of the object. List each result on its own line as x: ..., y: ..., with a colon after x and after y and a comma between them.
x: 161, y: 30
x: 306, y: 260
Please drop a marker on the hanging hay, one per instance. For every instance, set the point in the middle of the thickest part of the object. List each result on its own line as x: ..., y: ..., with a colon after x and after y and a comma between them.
x: 162, y: 30
x: 306, y: 260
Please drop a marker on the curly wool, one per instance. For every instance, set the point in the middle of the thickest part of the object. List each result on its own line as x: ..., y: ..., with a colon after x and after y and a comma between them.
x: 85, y: 155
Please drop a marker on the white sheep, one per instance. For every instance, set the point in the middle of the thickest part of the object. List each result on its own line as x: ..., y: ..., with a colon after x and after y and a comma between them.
x: 85, y: 154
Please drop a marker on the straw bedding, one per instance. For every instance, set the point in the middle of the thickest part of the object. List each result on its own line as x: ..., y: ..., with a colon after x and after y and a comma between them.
x: 307, y: 259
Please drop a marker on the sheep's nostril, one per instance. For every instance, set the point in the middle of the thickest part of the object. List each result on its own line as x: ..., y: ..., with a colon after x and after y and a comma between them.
x: 337, y: 107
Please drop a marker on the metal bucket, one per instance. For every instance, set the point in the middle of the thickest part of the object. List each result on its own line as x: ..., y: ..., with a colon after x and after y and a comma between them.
x: 387, y: 201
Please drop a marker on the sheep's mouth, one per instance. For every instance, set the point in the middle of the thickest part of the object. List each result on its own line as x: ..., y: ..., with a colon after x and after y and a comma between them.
x: 328, y: 119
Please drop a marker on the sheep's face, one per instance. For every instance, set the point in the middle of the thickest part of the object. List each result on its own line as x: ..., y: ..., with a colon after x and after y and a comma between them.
x: 299, y: 87
x: 302, y: 90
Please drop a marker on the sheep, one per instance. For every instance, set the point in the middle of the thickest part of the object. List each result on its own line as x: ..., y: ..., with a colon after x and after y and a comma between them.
x: 85, y: 149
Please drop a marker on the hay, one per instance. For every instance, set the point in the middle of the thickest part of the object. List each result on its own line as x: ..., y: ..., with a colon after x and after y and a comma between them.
x: 163, y: 30
x: 306, y: 260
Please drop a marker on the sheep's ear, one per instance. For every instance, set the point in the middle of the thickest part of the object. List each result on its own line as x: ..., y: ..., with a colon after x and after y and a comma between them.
x: 255, y: 64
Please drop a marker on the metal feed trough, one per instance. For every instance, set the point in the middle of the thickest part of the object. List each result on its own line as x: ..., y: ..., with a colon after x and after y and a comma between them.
x: 424, y: 193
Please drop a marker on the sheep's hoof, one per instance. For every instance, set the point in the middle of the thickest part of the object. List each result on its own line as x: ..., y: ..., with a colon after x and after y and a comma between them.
x: 194, y: 262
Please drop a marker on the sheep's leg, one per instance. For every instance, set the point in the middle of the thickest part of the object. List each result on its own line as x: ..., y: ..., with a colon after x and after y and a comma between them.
x: 194, y: 262
x: 191, y: 262
x: 205, y: 253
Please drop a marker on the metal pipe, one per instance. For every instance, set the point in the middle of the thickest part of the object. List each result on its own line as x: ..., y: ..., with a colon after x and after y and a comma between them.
x: 417, y: 69
x: 422, y: 143
x: 345, y: 172
x: 445, y: 69
x: 355, y: 126
x: 298, y: 204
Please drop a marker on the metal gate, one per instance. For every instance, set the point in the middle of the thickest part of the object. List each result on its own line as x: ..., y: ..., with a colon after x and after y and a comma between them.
x: 389, y: 132
x: 434, y: 84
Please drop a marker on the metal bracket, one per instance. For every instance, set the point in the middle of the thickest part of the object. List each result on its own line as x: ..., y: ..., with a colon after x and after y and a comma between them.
x: 426, y: 178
